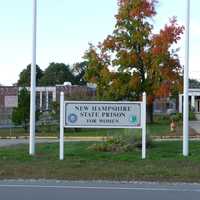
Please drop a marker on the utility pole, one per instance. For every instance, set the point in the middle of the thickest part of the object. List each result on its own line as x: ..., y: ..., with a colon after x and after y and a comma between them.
x: 33, y: 83
x: 186, y: 84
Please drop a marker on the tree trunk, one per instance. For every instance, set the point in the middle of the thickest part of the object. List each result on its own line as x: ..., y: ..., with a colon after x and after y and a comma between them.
x: 26, y: 127
x: 150, y: 113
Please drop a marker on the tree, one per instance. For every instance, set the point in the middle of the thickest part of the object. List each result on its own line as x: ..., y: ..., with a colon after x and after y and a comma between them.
x: 78, y: 69
x: 25, y: 76
x: 56, y: 73
x: 20, y: 115
x: 134, y: 59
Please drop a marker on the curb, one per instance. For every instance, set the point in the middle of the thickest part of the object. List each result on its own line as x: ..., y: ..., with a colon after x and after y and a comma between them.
x: 71, y: 138
x: 173, y: 137
x: 97, y: 138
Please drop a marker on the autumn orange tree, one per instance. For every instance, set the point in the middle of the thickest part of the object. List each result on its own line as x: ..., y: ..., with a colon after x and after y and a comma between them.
x: 134, y: 59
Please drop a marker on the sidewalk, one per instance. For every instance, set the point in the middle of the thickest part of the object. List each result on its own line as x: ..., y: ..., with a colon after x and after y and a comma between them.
x: 10, y: 141
x: 67, y: 138
x: 25, y: 140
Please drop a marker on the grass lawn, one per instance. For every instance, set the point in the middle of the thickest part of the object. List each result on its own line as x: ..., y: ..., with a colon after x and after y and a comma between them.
x: 155, y: 129
x: 68, y: 132
x: 158, y: 129
x: 164, y: 163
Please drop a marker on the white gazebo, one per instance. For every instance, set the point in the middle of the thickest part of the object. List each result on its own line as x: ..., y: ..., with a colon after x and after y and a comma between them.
x: 194, y: 101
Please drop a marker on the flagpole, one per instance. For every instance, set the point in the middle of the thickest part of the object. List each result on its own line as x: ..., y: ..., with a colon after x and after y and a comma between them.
x: 186, y: 84
x: 33, y: 83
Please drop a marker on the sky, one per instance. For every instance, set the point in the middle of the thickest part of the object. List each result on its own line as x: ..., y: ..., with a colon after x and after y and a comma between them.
x: 66, y: 27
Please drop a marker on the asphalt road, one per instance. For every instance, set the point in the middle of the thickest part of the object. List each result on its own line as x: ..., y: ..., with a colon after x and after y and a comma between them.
x: 54, y: 190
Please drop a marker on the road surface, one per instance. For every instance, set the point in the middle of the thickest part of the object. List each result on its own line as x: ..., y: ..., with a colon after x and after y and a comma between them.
x: 56, y: 190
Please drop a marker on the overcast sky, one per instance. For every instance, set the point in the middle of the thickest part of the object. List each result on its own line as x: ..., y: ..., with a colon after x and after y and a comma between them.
x: 66, y: 27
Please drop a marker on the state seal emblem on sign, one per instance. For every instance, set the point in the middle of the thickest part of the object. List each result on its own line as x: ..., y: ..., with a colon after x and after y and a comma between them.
x: 72, y: 118
x: 133, y: 119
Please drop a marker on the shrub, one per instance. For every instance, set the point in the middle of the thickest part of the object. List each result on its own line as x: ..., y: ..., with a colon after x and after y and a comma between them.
x: 124, y: 142
x: 161, y: 118
x: 179, y: 116
x: 176, y: 117
x: 192, y: 116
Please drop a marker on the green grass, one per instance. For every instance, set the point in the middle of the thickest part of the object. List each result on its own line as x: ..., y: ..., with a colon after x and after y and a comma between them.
x: 158, y: 129
x: 164, y: 163
x: 97, y: 132
x: 11, y: 132
x: 68, y: 132
x: 155, y: 129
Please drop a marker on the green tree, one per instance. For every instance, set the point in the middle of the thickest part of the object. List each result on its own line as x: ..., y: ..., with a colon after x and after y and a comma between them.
x: 57, y: 73
x: 55, y: 112
x: 134, y: 59
x: 25, y: 76
x: 21, y: 114
x: 78, y: 69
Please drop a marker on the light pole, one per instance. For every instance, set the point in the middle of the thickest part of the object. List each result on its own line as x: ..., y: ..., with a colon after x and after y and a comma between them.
x: 33, y: 83
x: 186, y: 83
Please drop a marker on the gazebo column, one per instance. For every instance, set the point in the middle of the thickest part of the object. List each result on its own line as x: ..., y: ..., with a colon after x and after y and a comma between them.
x: 40, y: 100
x: 47, y: 100
x: 54, y: 96
x: 193, y: 103
x: 180, y: 103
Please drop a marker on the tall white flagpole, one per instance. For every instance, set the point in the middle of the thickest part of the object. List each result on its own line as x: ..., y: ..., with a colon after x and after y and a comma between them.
x: 33, y: 83
x: 186, y: 83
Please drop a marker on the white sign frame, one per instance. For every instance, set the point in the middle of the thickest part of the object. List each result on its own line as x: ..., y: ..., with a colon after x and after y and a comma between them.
x: 101, y: 103
x: 142, y: 121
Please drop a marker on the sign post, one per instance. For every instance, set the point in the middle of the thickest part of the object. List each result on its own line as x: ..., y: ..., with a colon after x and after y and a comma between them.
x: 144, y: 100
x: 102, y: 114
x: 61, y: 126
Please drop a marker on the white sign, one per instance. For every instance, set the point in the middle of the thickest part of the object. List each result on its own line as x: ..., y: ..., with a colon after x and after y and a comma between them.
x: 100, y: 114
x: 10, y: 101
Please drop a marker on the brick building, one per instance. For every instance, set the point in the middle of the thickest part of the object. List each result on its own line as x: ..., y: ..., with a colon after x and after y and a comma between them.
x: 44, y: 98
x: 8, y: 100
